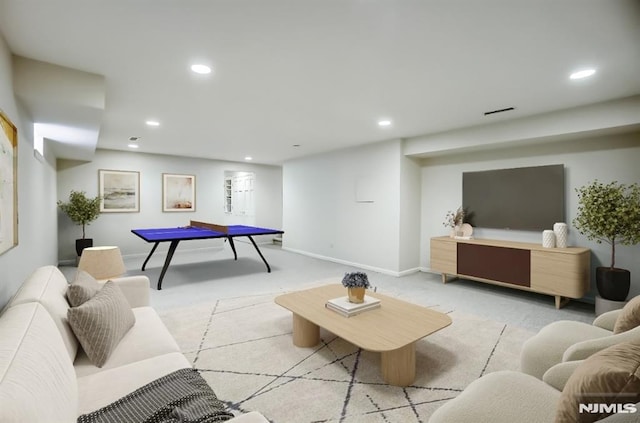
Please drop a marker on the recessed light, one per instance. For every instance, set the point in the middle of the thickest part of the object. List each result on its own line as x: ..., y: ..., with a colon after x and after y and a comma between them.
x: 132, y: 145
x: 384, y: 122
x: 201, y: 69
x: 152, y: 123
x: 582, y: 74
x: 248, y: 158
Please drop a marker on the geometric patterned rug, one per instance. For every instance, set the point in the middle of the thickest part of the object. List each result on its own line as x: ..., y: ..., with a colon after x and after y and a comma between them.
x: 243, y: 348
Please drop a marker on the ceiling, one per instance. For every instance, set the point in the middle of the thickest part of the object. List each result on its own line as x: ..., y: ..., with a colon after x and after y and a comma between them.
x: 320, y: 74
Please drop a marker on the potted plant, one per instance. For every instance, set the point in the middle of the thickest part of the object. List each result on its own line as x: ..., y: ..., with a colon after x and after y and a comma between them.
x: 610, y: 213
x: 356, y: 284
x: 82, y: 210
x: 456, y: 221
x: 453, y: 219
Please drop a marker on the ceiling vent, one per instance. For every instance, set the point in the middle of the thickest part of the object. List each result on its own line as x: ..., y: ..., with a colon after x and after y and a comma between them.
x: 493, y: 112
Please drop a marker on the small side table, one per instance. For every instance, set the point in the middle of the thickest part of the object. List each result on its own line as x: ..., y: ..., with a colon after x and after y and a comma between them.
x: 603, y: 305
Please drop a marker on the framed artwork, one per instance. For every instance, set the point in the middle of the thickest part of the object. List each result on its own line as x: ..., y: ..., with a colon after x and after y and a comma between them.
x: 120, y: 191
x: 8, y: 184
x: 178, y: 192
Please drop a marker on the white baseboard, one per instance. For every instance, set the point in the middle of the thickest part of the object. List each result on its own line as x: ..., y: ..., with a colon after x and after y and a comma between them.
x: 354, y: 264
x: 409, y: 271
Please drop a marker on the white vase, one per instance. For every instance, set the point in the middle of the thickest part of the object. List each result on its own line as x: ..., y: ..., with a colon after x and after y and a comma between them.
x: 548, y: 239
x: 561, y: 232
x: 457, y: 231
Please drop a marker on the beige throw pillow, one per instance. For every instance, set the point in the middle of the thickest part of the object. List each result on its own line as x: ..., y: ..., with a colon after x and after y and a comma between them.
x: 611, y: 376
x: 83, y: 288
x: 629, y: 317
x: 101, y: 322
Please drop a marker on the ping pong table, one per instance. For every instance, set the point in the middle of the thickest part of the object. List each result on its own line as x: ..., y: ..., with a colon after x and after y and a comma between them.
x: 199, y: 230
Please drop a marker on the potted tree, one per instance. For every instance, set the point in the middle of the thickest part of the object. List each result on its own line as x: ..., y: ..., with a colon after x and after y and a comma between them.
x: 82, y: 210
x: 610, y: 213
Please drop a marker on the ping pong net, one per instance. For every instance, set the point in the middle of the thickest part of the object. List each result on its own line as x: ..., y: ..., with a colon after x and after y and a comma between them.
x: 211, y: 226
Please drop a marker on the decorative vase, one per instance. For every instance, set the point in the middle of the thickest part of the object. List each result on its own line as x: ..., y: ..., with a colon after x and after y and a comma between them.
x: 613, y: 284
x: 561, y: 231
x: 356, y: 294
x: 548, y: 239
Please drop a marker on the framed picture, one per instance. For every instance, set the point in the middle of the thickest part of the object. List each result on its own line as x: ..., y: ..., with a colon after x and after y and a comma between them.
x: 178, y: 192
x: 120, y: 191
x: 8, y: 184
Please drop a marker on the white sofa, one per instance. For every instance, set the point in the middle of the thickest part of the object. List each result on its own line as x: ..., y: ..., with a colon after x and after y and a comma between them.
x: 46, y: 377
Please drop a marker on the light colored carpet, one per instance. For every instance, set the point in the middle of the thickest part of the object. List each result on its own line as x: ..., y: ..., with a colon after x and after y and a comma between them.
x: 243, y: 348
x: 210, y: 274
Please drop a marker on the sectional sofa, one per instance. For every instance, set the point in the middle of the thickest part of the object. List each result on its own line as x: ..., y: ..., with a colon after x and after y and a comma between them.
x: 46, y: 376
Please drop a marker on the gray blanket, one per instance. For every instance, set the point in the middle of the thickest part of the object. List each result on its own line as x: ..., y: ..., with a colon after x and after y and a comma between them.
x: 179, y: 397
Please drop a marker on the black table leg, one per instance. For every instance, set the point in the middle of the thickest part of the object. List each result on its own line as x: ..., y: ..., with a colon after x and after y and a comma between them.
x: 258, y: 250
x: 150, y: 254
x: 233, y: 247
x: 172, y: 249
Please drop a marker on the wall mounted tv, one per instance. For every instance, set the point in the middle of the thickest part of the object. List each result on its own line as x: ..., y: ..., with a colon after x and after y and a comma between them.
x: 525, y: 198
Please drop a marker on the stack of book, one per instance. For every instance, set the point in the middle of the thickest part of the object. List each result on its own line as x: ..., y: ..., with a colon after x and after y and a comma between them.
x: 346, y: 308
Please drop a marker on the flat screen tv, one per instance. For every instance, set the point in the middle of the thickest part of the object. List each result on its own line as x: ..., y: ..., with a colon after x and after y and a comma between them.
x: 525, y: 198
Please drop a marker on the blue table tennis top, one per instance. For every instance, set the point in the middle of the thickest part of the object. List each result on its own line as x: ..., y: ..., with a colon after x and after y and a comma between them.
x: 189, y: 232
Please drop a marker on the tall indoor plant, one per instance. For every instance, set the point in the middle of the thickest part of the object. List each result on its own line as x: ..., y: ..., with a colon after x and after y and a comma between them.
x: 82, y: 210
x: 610, y: 213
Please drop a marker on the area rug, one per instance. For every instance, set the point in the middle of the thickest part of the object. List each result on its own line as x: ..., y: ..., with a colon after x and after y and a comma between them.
x: 243, y: 348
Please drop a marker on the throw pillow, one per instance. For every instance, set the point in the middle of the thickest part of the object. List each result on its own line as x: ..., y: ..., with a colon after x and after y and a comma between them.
x: 83, y: 288
x: 629, y: 317
x: 604, y: 383
x: 100, y: 323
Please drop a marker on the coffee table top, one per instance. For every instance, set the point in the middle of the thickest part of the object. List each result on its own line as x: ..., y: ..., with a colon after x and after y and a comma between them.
x: 393, y: 325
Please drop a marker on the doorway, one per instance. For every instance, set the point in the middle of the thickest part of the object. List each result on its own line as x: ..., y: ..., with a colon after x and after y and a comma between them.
x: 239, y: 198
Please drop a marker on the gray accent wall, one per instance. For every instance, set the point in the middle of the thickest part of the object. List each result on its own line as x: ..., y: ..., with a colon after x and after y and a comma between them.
x: 37, y: 229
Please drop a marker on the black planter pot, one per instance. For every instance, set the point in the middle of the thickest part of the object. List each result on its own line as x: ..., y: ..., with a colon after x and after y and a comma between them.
x: 83, y: 243
x: 613, y: 284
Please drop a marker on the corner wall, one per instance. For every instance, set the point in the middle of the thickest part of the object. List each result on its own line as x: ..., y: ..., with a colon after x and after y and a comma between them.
x: 347, y: 206
x: 606, y: 158
x: 37, y: 234
x: 410, y: 209
x: 115, y: 228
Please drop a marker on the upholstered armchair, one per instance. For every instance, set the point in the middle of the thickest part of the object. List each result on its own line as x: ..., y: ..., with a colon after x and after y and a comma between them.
x: 569, y: 340
x: 608, y: 376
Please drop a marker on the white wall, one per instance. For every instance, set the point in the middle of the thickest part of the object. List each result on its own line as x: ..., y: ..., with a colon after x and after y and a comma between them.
x: 323, y: 219
x: 37, y: 234
x: 115, y: 228
x: 606, y: 158
x: 410, y: 209
x: 615, y: 115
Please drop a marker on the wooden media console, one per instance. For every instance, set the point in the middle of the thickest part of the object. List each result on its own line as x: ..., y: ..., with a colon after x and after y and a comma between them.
x: 561, y: 272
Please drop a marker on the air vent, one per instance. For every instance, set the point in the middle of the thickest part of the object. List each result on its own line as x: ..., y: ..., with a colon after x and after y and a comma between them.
x: 499, y: 111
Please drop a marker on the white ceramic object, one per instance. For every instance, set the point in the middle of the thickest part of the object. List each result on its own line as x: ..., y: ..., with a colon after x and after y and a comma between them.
x: 467, y: 230
x: 561, y: 231
x: 548, y: 239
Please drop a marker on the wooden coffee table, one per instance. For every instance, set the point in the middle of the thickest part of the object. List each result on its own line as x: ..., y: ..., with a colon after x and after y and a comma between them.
x: 392, y: 329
